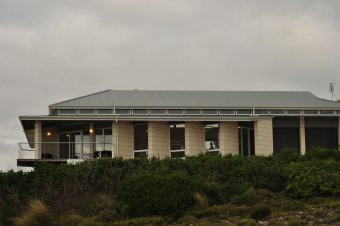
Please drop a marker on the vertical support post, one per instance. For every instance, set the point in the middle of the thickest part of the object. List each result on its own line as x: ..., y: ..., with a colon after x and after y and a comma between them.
x: 228, y: 138
x: 125, y: 139
x: 158, y: 139
x: 194, y: 138
x: 38, y: 139
x: 263, y: 132
x: 114, y: 139
x: 302, y: 136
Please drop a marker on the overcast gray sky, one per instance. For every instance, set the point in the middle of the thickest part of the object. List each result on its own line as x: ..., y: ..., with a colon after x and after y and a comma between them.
x: 56, y: 50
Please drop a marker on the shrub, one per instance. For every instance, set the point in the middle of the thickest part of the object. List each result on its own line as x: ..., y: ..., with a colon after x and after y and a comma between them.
x: 36, y: 214
x: 259, y: 212
x: 248, y: 197
x: 252, y: 196
x: 153, y: 194
x: 313, y: 181
x: 288, y: 155
x: 104, y: 208
x: 323, y: 153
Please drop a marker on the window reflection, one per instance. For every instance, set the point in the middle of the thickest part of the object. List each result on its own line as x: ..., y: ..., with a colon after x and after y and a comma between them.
x: 140, y: 131
x: 212, y: 137
x: 177, y: 139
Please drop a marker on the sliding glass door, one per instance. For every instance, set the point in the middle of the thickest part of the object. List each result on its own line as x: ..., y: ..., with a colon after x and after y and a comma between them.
x: 70, y: 145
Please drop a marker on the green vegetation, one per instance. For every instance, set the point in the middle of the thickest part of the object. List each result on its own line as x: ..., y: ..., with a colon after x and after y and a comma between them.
x: 284, y: 189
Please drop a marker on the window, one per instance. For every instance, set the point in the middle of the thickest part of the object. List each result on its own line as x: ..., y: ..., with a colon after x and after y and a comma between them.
x: 193, y: 112
x: 243, y: 111
x: 140, y: 111
x: 103, y: 143
x: 293, y: 112
x: 261, y: 112
x: 177, y: 140
x: 140, y: 132
x: 157, y: 111
x: 211, y: 137
x: 310, y: 112
x: 210, y: 112
x: 227, y: 112
x: 277, y: 112
x: 326, y: 112
x: 54, y: 111
x: 338, y: 112
x: 67, y: 111
x: 122, y: 112
x: 86, y: 111
x: 175, y: 112
x: 104, y: 111
x: 86, y: 144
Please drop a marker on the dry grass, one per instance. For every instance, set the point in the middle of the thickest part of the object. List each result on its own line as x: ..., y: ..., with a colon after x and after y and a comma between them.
x: 201, y: 200
x: 37, y: 214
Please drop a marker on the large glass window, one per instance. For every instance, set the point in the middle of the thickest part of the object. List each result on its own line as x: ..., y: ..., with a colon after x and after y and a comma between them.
x: 103, y: 143
x: 86, y: 145
x: 177, y: 139
x: 211, y: 137
x: 70, y: 145
x: 246, y: 138
x: 140, y: 132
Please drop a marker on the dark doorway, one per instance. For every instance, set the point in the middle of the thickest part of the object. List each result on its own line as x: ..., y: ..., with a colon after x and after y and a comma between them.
x: 321, y: 137
x: 246, y: 139
x: 285, y: 138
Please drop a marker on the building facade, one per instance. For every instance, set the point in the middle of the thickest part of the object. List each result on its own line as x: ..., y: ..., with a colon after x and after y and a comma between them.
x: 133, y: 123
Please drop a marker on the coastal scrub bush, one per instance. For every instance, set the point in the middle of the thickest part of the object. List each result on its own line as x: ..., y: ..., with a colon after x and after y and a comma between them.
x: 323, y: 153
x: 313, y: 181
x: 259, y: 212
x: 155, y: 194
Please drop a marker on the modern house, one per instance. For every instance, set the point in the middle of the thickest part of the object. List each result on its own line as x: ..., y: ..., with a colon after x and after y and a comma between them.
x: 134, y: 123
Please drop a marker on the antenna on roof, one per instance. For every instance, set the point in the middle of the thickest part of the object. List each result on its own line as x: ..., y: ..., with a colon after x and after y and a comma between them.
x: 331, y: 89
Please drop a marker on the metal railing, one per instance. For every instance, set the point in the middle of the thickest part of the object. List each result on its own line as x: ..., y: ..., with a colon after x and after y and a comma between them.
x: 68, y: 150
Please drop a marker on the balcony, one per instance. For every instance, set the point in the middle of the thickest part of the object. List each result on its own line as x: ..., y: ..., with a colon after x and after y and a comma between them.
x: 62, y: 152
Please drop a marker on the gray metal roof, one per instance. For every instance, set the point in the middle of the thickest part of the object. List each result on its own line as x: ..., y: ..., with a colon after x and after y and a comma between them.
x: 198, y: 99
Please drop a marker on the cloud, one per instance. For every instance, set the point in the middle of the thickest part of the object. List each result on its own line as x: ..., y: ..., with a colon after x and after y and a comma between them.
x: 52, y: 51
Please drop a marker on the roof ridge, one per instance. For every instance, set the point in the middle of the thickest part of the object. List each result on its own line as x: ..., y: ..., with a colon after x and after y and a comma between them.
x: 87, y: 95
